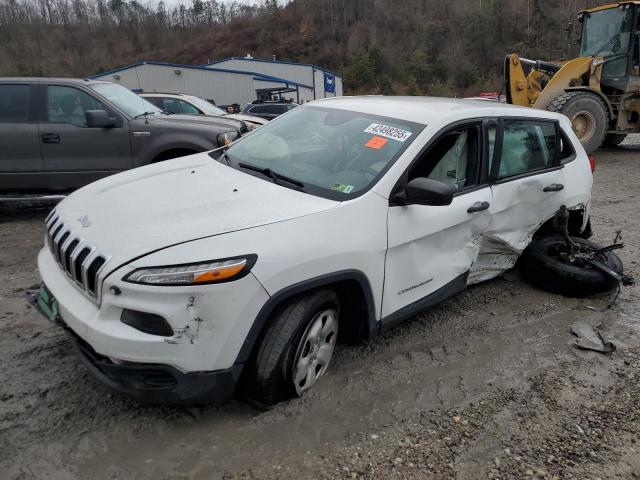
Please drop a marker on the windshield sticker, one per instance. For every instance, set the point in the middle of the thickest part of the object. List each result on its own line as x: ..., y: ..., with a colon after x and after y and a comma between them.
x: 389, y: 132
x: 376, y: 142
x: 342, y: 187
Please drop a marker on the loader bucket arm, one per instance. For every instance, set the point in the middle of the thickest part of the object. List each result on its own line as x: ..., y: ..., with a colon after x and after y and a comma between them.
x: 570, y: 75
x: 515, y: 81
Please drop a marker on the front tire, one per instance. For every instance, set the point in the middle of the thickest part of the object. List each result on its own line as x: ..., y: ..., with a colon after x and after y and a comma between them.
x: 588, y: 115
x: 545, y: 266
x: 297, y: 347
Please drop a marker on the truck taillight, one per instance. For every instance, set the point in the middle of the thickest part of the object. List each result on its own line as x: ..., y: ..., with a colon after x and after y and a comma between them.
x: 592, y: 162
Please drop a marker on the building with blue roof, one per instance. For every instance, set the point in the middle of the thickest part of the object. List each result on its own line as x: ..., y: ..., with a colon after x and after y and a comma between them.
x: 232, y: 80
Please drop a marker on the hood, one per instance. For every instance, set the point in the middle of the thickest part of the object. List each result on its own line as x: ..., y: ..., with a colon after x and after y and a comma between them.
x: 131, y: 214
x: 247, y: 118
x: 222, y: 122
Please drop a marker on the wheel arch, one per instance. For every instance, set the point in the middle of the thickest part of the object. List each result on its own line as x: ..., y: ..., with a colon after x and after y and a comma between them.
x: 170, y: 153
x: 576, y: 223
x: 347, y: 284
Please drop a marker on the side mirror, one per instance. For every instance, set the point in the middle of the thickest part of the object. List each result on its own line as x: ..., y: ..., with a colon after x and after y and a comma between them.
x: 425, y: 191
x: 99, y: 119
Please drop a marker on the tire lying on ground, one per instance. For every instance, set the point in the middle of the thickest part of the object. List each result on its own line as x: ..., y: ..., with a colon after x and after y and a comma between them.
x: 544, y: 268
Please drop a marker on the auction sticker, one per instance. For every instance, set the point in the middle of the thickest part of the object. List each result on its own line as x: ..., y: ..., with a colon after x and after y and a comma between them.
x: 342, y: 187
x: 376, y: 142
x: 387, y: 131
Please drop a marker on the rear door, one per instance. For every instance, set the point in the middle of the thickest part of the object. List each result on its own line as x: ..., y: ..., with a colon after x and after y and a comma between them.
x: 528, y: 181
x: 74, y: 154
x: 21, y: 163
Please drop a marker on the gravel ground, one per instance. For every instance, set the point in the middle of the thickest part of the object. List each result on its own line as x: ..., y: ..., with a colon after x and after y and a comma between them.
x: 486, y: 385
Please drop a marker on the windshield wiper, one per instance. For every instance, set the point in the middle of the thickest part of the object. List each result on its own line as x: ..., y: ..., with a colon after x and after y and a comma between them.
x: 267, y: 172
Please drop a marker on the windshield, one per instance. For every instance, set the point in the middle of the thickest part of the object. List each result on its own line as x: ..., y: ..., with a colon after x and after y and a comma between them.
x: 205, y: 106
x: 335, y: 153
x: 125, y: 99
x: 606, y: 33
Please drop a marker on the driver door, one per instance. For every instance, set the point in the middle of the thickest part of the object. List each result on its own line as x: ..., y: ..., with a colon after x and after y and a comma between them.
x: 431, y: 248
x: 74, y: 154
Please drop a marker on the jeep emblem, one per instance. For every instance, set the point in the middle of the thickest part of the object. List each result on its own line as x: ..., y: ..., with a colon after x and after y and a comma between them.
x: 84, y: 221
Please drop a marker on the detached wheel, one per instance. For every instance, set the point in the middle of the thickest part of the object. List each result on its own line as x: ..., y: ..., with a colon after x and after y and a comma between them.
x: 548, y: 265
x: 297, y: 348
x: 614, y: 139
x: 588, y: 115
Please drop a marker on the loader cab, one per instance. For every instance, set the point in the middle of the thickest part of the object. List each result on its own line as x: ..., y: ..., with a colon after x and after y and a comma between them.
x: 610, y: 32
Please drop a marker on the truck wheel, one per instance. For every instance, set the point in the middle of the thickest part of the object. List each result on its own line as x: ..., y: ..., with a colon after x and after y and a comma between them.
x: 297, y: 348
x: 547, y: 266
x: 614, y: 139
x: 588, y: 115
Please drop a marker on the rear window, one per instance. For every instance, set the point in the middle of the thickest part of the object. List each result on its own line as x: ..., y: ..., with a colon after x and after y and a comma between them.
x: 14, y: 103
x: 527, y: 145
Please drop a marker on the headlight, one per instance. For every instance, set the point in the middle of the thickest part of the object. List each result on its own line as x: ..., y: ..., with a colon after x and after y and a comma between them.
x: 227, y: 138
x: 215, y: 271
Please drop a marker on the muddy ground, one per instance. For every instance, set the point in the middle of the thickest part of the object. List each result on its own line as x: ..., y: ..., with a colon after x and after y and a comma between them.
x: 486, y: 385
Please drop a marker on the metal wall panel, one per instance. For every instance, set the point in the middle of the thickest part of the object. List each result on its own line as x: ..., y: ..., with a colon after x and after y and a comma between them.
x: 222, y: 87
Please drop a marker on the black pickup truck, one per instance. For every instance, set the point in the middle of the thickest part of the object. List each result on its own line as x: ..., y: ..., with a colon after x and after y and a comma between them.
x: 57, y: 135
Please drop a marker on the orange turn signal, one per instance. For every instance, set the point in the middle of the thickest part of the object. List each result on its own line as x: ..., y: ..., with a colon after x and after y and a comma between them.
x: 219, y: 273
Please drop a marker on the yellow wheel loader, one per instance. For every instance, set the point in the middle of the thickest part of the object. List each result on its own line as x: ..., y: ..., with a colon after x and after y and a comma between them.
x: 600, y: 90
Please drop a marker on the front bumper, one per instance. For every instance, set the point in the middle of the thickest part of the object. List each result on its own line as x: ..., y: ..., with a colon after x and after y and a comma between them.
x: 152, y: 383
x: 210, y: 322
x: 155, y: 383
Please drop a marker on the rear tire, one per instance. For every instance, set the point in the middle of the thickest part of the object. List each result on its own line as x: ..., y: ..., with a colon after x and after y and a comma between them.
x: 544, y: 270
x: 614, y: 139
x: 588, y: 115
x: 293, y: 345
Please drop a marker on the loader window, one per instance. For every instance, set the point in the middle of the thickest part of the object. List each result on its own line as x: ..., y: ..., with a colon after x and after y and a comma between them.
x: 526, y: 146
x: 607, y: 34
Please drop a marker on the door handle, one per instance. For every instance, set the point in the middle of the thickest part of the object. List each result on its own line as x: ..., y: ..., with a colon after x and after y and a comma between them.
x: 50, y: 138
x: 556, y: 187
x: 478, y: 207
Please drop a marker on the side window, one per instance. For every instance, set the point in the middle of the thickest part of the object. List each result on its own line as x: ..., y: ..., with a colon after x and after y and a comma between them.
x: 68, y: 105
x: 186, y: 107
x: 527, y: 145
x: 170, y: 105
x: 259, y: 109
x: 567, y: 153
x: 14, y: 103
x: 278, y: 109
x: 157, y: 101
x: 453, y: 159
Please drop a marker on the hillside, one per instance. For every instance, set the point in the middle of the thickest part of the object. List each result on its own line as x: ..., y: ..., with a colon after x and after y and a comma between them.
x: 379, y: 46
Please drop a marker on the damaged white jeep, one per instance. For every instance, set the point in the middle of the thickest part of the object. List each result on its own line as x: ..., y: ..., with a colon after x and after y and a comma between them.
x: 246, y: 265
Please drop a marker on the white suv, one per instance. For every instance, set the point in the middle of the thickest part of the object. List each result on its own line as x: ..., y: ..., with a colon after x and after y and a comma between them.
x: 334, y: 222
x: 181, y: 103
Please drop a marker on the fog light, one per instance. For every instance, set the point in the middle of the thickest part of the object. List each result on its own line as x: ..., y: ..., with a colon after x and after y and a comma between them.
x: 147, y: 322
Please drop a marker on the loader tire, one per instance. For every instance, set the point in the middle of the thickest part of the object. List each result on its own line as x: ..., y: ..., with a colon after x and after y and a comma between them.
x: 588, y: 115
x: 614, y: 139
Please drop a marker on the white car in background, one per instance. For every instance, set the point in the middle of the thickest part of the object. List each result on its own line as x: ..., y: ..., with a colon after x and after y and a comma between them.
x: 181, y: 103
x: 338, y: 221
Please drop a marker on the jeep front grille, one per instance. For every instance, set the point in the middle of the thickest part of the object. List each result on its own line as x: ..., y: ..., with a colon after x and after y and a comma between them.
x: 79, y: 260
